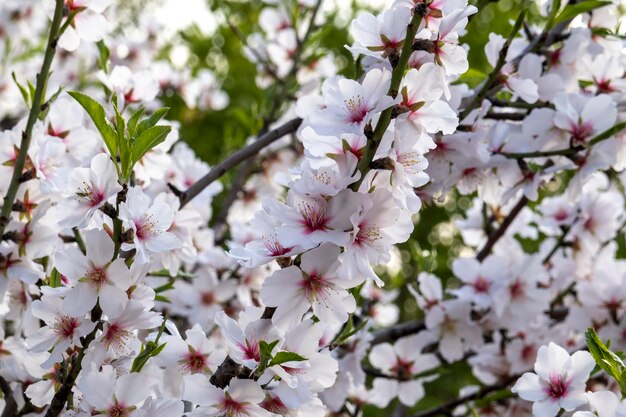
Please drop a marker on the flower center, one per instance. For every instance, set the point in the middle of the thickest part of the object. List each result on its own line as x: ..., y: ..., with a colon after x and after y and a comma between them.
x: 314, y: 217
x: 96, y: 276
x: 402, y: 369
x: 481, y: 285
x: 230, y: 408
x: 117, y: 411
x: 251, y: 351
x: 356, y: 109
x: 65, y: 326
x: 146, y: 228
x: 557, y: 388
x: 314, y: 285
x: 90, y: 194
x: 195, y: 362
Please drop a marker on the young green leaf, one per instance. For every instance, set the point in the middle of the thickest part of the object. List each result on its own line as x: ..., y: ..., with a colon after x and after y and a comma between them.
x: 103, y: 56
x: 282, y: 357
x: 132, y: 122
x: 98, y: 115
x: 608, y: 361
x: 55, y: 278
x: 23, y: 91
x: 150, y: 121
x: 150, y: 138
x: 573, y: 10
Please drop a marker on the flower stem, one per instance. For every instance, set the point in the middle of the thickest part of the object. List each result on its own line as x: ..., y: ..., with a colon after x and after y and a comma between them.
x: 396, y: 79
x: 42, y: 79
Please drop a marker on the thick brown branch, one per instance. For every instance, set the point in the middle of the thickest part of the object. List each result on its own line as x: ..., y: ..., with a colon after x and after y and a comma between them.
x: 236, y: 158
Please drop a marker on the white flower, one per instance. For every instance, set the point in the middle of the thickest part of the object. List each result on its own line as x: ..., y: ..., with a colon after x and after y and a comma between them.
x: 241, y: 398
x: 149, y: 223
x: 350, y: 106
x: 61, y: 331
x: 94, y: 275
x: 112, y: 396
x: 88, y: 189
x: 315, y: 284
x: 88, y: 25
x: 559, y: 380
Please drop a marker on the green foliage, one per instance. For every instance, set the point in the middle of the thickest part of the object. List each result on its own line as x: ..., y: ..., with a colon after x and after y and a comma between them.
x: 347, y: 332
x: 572, y: 10
x: 128, y: 141
x: 149, y: 350
x: 98, y: 115
x: 606, y: 360
x: 270, y: 359
x: 283, y: 357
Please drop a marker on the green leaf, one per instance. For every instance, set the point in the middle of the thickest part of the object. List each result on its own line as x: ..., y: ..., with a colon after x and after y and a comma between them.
x: 347, y: 332
x: 32, y: 89
x: 132, y: 122
x: 23, y: 91
x: 150, y: 138
x: 150, y: 121
x: 282, y: 357
x: 162, y: 298
x: 266, y: 354
x: 150, y: 350
x: 103, y: 56
x: 267, y: 348
x: 55, y: 278
x: 573, y: 10
x: 608, y: 361
x: 98, y: 115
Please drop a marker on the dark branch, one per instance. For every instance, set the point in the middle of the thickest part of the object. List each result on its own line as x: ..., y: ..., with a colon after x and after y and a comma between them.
x: 236, y: 158
x: 508, y: 220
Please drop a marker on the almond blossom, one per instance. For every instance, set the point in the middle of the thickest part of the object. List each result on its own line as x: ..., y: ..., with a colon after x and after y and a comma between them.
x: 558, y: 381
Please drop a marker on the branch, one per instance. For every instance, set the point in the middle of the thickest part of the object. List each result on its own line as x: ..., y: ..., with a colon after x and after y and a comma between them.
x: 390, y: 334
x: 396, y: 79
x: 514, y: 116
x: 10, y: 405
x: 607, y: 134
x: 244, y: 171
x: 35, y: 110
x: 494, y: 76
x: 236, y: 158
x: 449, y: 406
x: 60, y: 397
x: 493, y: 239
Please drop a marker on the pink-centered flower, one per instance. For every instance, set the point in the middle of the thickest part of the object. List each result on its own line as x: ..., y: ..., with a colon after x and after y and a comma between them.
x: 559, y: 380
x: 94, y: 275
x: 240, y: 399
x: 314, y: 285
x: 150, y: 222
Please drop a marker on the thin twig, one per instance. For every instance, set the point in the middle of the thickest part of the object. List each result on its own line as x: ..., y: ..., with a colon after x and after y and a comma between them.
x: 244, y: 171
x: 508, y: 220
x: 451, y: 405
x: 27, y: 134
x: 236, y: 158
x: 494, y: 76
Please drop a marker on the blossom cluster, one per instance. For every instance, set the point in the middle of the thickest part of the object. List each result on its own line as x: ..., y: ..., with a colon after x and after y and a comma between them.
x: 118, y: 299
